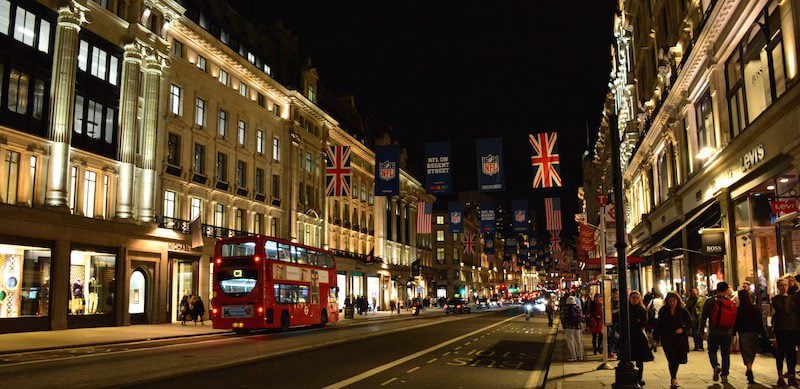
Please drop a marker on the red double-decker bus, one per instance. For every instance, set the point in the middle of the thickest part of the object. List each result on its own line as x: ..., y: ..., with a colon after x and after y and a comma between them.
x: 264, y: 282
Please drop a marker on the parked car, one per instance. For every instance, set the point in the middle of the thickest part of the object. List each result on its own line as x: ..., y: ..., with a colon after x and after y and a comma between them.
x: 456, y: 305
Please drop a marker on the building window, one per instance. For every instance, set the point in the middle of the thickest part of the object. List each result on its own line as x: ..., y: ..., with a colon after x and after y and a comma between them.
x: 242, y: 132
x: 105, y: 196
x: 241, y: 174
x: 12, y: 176
x: 89, y: 188
x: 706, y: 136
x: 91, y: 122
x: 199, y: 164
x: 18, y: 92
x: 92, y: 279
x: 276, y: 149
x: 169, y: 204
x: 175, y: 99
x: 222, y: 167
x: 174, y: 149
x: 257, y: 221
x: 201, y: 63
x: 73, y: 191
x: 276, y: 186
x: 308, y: 162
x: 32, y: 173
x: 177, y: 48
x: 440, y: 220
x: 440, y: 236
x: 219, y: 215
x: 311, y: 92
x: 196, y: 209
x: 756, y: 71
x: 261, y: 100
x: 224, y: 78
x: 259, y: 180
x: 663, y: 176
x: 260, y: 141
x: 25, y: 30
x: 243, y: 89
x: 38, y: 99
x: 273, y: 226
x: 222, y: 122
x: 200, y: 112
x: 238, y: 220
x: 440, y: 254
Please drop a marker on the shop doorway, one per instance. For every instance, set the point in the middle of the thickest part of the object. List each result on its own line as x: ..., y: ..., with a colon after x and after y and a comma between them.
x: 373, y: 288
x: 184, y: 281
x: 137, y: 297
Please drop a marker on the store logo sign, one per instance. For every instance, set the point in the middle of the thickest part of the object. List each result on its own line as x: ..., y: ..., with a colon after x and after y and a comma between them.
x: 753, y: 157
x: 713, y: 243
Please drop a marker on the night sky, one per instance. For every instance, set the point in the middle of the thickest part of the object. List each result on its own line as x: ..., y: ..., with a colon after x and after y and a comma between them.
x: 435, y: 70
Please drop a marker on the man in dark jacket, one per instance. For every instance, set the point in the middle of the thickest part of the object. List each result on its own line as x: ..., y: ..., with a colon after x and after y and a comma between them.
x: 695, y: 304
x: 719, y: 338
x: 785, y: 324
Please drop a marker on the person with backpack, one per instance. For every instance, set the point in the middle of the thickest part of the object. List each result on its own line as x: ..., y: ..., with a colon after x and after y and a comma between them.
x: 572, y: 330
x: 720, y: 313
x: 785, y: 324
x: 694, y: 304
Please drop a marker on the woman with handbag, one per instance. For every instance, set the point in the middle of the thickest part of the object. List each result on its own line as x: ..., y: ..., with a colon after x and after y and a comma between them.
x: 749, y: 327
x: 672, y: 332
x: 640, y: 346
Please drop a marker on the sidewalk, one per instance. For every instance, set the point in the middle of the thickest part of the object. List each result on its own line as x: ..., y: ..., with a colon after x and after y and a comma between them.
x: 81, y: 337
x: 695, y: 374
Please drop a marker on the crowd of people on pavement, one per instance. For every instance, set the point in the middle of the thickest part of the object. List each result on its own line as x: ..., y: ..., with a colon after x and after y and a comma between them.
x: 192, y: 308
x: 725, y: 321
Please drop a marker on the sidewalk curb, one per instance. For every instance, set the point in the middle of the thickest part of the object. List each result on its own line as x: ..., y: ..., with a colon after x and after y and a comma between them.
x: 354, y: 323
x: 551, y: 346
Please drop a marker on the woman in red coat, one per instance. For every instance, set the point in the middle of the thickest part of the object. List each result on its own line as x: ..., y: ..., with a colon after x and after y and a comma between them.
x: 596, y: 323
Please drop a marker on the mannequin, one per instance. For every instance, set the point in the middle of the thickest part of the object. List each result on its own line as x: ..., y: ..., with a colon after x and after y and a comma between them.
x: 77, y: 297
x: 91, y: 301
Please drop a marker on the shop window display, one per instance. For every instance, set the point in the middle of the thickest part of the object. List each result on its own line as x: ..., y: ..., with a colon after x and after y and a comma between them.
x: 92, y: 283
x: 24, y: 281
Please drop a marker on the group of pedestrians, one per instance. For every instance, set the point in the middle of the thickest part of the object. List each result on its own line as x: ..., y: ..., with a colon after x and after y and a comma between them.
x: 192, y: 308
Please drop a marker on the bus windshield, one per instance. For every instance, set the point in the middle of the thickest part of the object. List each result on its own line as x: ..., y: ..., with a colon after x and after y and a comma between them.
x: 243, y: 249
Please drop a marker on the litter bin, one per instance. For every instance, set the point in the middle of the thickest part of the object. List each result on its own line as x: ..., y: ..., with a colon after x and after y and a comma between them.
x: 349, y: 312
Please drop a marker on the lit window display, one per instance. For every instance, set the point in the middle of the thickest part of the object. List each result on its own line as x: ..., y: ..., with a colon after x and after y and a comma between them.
x: 24, y: 281
x: 92, y: 283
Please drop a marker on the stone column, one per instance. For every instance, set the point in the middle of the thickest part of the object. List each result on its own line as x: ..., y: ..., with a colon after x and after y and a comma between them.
x: 62, y: 98
x: 153, y: 67
x: 728, y: 223
x: 128, y: 106
x: 403, y: 221
x: 393, y: 215
x: 412, y: 238
x: 294, y: 180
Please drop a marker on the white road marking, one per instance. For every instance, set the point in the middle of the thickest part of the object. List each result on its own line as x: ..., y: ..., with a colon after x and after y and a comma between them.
x: 467, y: 344
x: 457, y: 348
x: 411, y: 357
x: 389, y: 381
x: 413, y: 369
x: 433, y: 360
x: 446, y: 354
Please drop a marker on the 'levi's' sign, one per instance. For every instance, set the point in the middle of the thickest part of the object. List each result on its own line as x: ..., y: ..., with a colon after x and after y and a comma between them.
x: 753, y: 157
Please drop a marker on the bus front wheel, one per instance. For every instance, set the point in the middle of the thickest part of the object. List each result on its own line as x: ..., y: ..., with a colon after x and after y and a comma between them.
x: 285, y: 321
x: 323, y: 320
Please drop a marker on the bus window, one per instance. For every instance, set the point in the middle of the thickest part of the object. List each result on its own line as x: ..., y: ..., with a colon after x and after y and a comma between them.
x: 239, y: 249
x: 329, y: 263
x: 301, y: 256
x: 290, y: 294
x: 283, y: 253
x: 302, y: 296
x: 238, y: 282
x: 312, y: 258
x: 272, y: 250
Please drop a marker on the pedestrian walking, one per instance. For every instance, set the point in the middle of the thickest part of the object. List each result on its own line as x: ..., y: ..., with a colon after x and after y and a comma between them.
x: 199, y: 310
x: 694, y: 304
x: 183, y: 309
x: 785, y: 326
x: 749, y: 327
x: 720, y: 313
x: 656, y: 302
x: 640, y: 348
x: 672, y: 333
x: 596, y: 324
x: 192, y: 311
x: 572, y: 330
x: 550, y: 308
x: 613, y: 330
x: 792, y: 284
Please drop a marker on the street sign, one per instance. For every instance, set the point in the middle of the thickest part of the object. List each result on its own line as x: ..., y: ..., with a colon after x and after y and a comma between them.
x: 610, y: 216
x: 602, y: 200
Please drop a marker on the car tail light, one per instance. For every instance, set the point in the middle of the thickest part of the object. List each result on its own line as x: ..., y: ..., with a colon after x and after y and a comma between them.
x: 257, y: 258
x: 260, y: 310
x: 218, y: 261
x: 214, y: 311
x: 459, y: 306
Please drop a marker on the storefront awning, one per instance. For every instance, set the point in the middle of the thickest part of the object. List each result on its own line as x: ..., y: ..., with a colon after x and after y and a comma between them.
x: 659, y: 245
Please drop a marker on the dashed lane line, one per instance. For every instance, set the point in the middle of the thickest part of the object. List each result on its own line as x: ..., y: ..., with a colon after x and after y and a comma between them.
x: 377, y: 370
x: 389, y: 381
x: 446, y: 354
x: 432, y: 360
x: 413, y: 369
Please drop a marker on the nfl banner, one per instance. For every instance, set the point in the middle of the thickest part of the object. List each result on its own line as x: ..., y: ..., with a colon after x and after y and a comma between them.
x: 519, y: 212
x: 455, y: 212
x: 511, y: 244
x: 488, y: 222
x: 490, y: 164
x: 387, y: 170
x: 488, y: 244
x: 437, y: 168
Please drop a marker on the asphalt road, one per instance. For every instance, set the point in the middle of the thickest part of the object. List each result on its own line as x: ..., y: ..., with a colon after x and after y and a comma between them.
x: 498, y: 349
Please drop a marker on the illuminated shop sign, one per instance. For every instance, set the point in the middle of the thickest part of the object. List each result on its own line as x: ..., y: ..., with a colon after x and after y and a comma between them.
x: 753, y: 157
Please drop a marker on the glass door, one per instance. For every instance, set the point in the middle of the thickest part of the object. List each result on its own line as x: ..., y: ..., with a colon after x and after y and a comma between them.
x: 183, y: 284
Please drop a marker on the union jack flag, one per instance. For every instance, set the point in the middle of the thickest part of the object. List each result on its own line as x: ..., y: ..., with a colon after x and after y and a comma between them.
x: 338, y: 171
x: 545, y: 160
x: 469, y: 243
x: 555, y: 241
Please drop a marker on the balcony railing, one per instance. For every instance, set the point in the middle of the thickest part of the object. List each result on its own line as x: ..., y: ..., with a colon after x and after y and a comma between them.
x: 174, y: 224
x: 211, y: 231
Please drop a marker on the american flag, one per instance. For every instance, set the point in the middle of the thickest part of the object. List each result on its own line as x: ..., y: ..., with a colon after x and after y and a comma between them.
x: 469, y: 243
x: 424, y: 217
x: 545, y: 160
x: 338, y: 171
x: 552, y: 208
